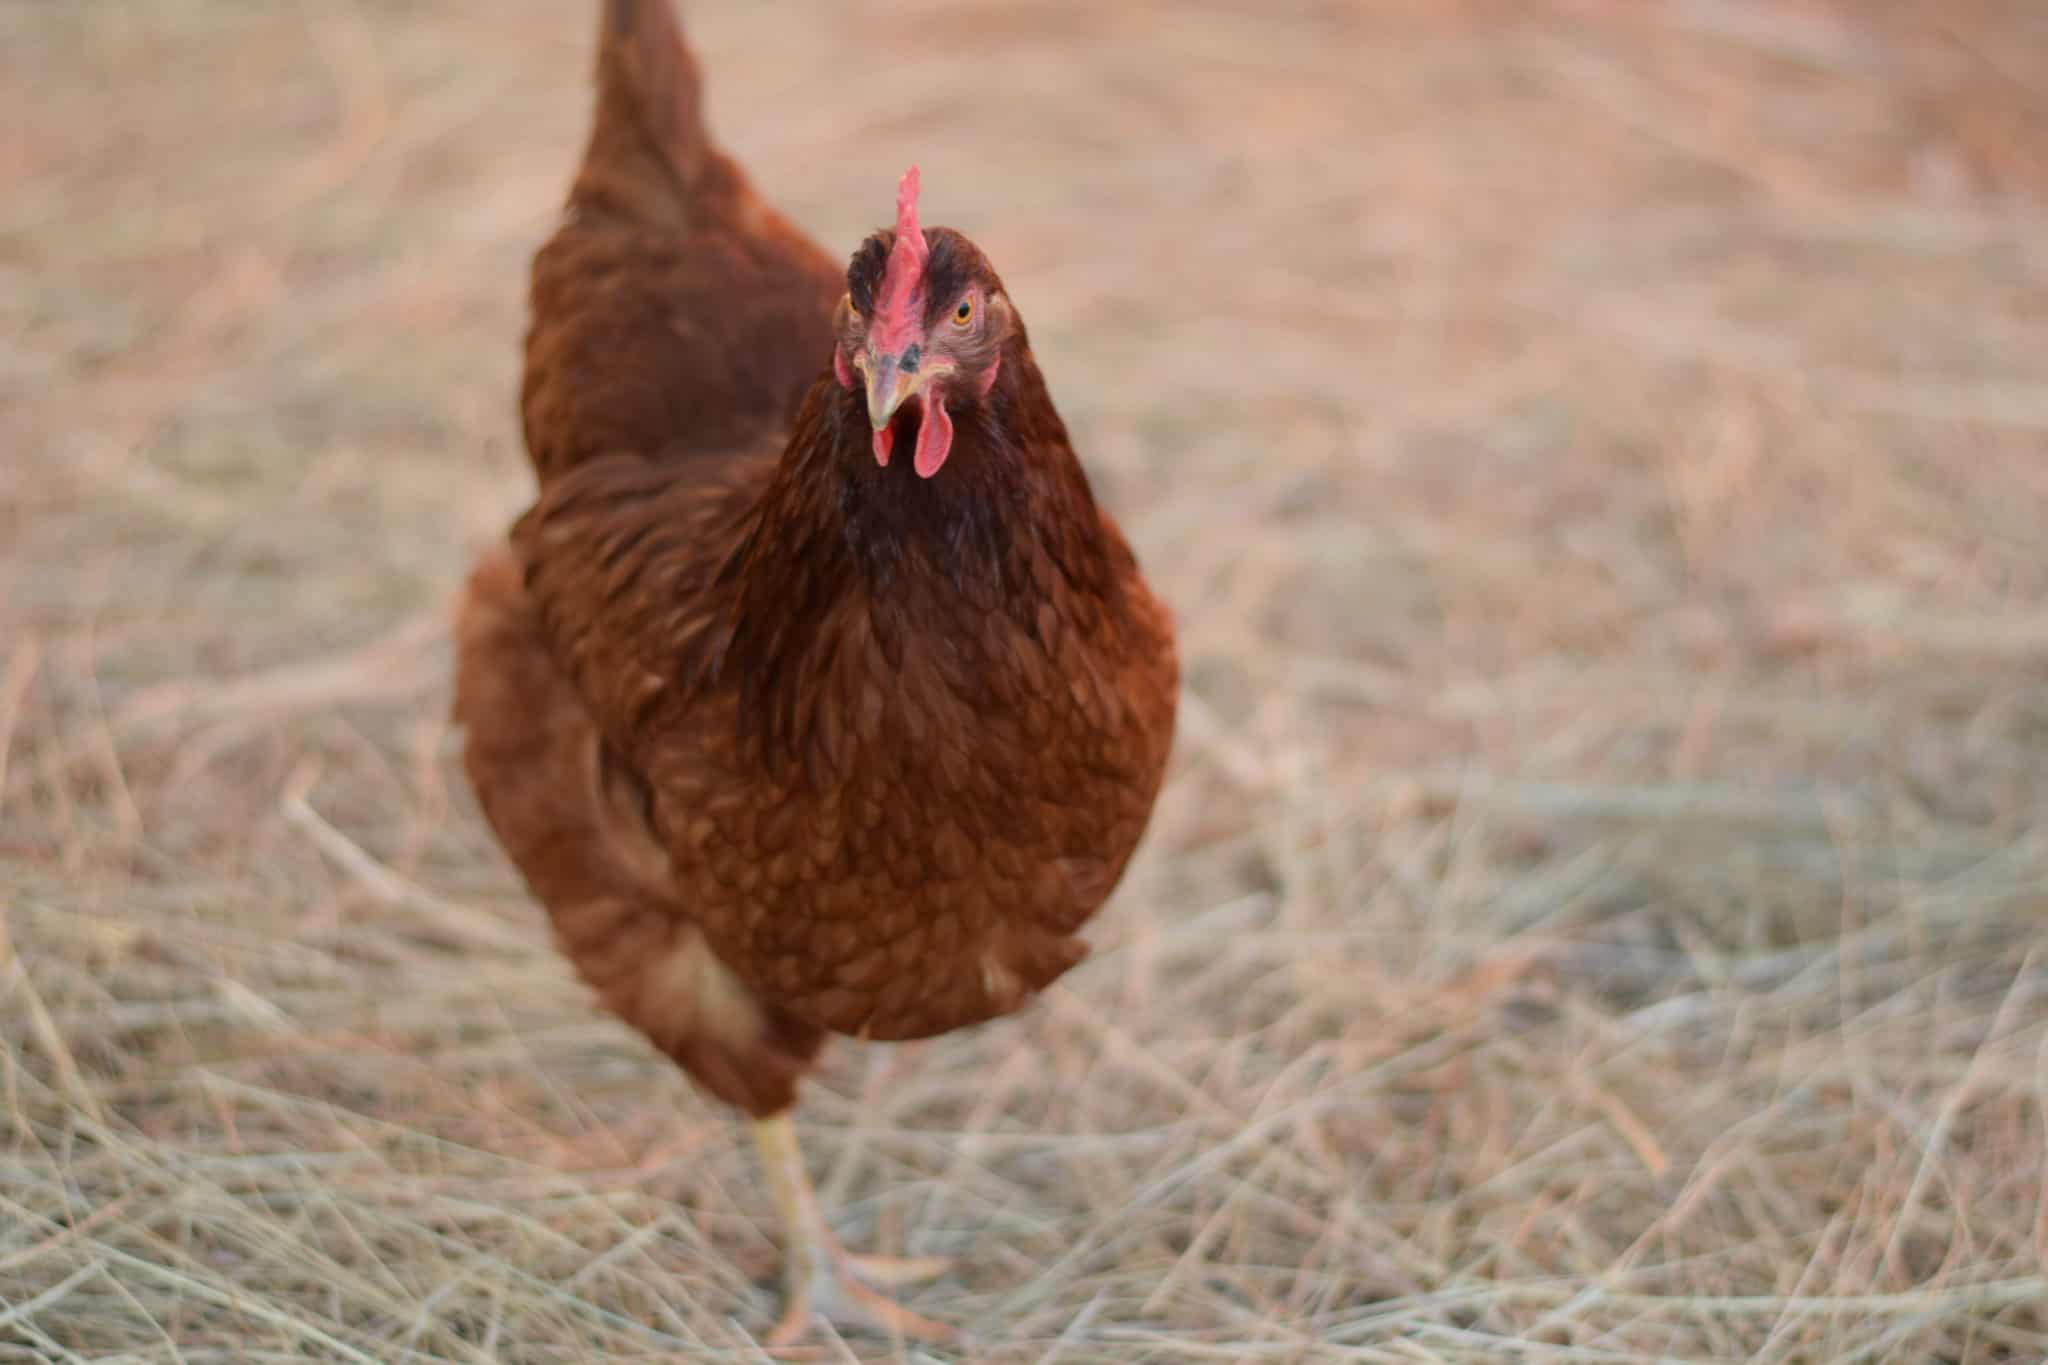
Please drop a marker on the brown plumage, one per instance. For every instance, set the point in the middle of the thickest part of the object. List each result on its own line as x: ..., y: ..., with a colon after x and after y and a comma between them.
x: 789, y: 736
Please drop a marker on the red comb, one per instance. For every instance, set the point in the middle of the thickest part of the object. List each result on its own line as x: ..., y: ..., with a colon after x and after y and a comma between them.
x: 907, y: 230
x: 903, y: 277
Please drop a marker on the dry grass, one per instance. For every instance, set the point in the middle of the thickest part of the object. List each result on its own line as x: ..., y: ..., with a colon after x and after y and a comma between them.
x: 1599, y: 451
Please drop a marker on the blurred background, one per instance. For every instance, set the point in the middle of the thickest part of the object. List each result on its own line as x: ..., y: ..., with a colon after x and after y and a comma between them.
x: 1598, y: 451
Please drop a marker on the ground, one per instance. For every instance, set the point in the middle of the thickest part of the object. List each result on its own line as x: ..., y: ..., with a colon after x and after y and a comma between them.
x: 1597, y: 450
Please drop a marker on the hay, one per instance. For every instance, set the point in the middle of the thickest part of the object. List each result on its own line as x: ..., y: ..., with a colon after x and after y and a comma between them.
x: 1598, y: 450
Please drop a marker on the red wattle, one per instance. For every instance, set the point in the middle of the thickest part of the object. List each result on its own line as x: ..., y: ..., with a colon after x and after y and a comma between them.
x: 934, y: 438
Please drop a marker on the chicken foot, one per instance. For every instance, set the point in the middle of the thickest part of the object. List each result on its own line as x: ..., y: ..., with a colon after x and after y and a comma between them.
x: 823, y: 1280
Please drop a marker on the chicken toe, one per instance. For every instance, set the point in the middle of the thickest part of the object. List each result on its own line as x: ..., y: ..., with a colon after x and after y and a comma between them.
x: 824, y: 1281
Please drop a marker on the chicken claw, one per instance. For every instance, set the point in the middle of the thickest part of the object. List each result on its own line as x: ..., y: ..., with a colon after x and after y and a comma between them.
x: 823, y: 1280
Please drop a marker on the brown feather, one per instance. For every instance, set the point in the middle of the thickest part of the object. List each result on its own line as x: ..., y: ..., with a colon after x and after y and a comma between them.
x: 902, y: 753
x: 788, y: 742
x: 674, y: 311
x: 574, y: 821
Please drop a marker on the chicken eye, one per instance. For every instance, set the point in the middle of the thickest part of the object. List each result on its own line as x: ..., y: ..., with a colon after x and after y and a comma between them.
x: 964, y: 313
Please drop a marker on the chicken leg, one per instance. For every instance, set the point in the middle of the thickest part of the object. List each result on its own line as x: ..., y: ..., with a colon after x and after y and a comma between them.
x: 821, y: 1278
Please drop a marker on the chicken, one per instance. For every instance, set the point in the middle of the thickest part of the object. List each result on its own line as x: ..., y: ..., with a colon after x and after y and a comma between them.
x: 815, y: 694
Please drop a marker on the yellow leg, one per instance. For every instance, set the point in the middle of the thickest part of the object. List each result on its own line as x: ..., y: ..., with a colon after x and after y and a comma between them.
x: 820, y: 1278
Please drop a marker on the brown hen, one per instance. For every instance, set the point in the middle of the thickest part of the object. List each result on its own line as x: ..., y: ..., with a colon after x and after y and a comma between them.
x: 790, y: 735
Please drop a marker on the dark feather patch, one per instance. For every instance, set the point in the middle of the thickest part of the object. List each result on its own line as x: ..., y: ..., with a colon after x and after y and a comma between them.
x: 864, y: 272
x: 953, y: 264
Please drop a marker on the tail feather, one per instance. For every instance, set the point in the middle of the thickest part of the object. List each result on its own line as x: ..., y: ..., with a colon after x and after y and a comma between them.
x: 649, y: 102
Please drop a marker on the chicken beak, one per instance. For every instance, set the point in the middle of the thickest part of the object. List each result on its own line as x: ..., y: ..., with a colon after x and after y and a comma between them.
x: 889, y: 384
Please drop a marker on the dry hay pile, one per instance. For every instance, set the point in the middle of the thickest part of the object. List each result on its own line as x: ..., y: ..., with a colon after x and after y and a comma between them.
x: 1599, y: 451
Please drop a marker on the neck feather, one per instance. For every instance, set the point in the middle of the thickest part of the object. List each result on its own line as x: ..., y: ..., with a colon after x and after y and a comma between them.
x: 839, y: 544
